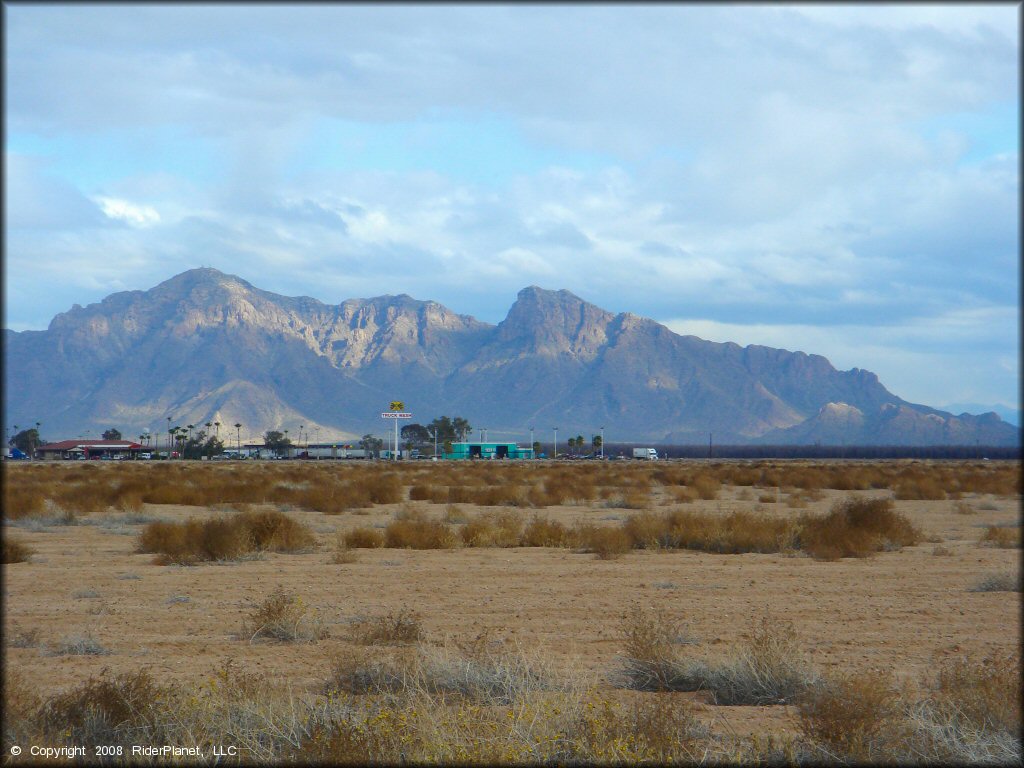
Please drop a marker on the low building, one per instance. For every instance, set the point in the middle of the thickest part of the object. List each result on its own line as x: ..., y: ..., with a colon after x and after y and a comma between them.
x: 88, y: 449
x: 472, y: 450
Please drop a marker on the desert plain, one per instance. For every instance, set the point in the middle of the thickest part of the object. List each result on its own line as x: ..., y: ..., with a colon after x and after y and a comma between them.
x: 87, y: 603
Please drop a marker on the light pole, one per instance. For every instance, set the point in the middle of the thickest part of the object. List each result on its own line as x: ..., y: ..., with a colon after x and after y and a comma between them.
x: 170, y: 438
x: 238, y: 435
x: 300, y: 437
x: 602, y: 442
x: 554, y: 453
x: 532, y: 453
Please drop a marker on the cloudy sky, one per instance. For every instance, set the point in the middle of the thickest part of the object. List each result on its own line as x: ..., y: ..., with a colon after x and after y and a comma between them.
x: 835, y: 179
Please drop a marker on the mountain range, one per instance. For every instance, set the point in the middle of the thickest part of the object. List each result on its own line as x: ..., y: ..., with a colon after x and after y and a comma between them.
x: 205, y: 346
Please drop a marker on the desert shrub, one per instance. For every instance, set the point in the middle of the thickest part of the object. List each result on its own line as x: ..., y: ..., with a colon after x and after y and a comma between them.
x: 706, y: 486
x: 973, y: 714
x: 283, y: 616
x: 856, y: 527
x: 654, y: 730
x: 963, y: 508
x: 20, y: 501
x: 606, y: 542
x: 423, y: 492
x: 342, y: 554
x: 224, y: 538
x: 682, y: 494
x: 542, y: 532
x: 77, y: 644
x: 393, y: 628
x: 418, y: 533
x: 384, y: 488
x: 768, y: 498
x: 453, y: 513
x: 17, y: 637
x: 16, y: 551
x: 647, y: 530
x: 769, y: 669
x: 650, y: 658
x: 998, y: 582
x: 919, y: 487
x: 853, y: 717
x: 275, y: 531
x: 493, y: 529
x: 503, y: 495
x: 741, y: 531
x: 736, y: 532
x: 363, y: 538
x: 1004, y: 538
x: 109, y: 709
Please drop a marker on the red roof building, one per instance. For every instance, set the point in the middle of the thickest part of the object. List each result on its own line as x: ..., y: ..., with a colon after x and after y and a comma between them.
x: 81, y: 448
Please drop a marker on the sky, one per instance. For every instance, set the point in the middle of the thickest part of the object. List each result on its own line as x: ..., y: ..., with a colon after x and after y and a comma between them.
x: 842, y: 180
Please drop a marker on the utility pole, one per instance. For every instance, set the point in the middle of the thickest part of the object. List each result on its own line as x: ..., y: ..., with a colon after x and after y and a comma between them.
x: 554, y: 453
x: 709, y: 443
x: 531, y: 443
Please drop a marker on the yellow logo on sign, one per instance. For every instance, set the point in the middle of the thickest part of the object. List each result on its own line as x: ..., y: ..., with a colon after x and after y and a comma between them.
x: 397, y: 405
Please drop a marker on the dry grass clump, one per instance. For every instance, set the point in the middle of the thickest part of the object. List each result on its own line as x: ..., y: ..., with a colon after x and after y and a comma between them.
x: 437, y: 676
x: 273, y: 531
x: 998, y: 536
x: 983, y: 696
x: 121, y: 709
x: 651, y: 660
x: 963, y: 508
x: 735, y: 532
x: 363, y: 538
x: 77, y: 644
x: 998, y: 582
x: 342, y: 553
x: 707, y: 486
x: 224, y: 538
x: 606, y: 542
x: 542, y: 532
x: 394, y: 628
x: 413, y: 530
x: 16, y: 551
x: 21, y: 501
x: 769, y: 668
x: 283, y: 616
x: 852, y: 718
x: 919, y: 487
x: 856, y: 527
x: 493, y: 528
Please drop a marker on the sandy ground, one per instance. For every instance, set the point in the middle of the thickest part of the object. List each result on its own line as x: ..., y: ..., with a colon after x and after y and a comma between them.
x: 896, y: 612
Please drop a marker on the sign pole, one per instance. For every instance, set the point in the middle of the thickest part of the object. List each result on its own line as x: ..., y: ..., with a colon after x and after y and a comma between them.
x: 396, y: 413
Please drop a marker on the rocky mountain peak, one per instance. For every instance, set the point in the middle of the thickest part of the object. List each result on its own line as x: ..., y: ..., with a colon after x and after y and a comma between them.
x: 554, y: 322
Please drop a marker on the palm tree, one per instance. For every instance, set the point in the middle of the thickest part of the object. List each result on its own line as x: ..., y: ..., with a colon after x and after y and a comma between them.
x: 208, y: 446
x: 572, y: 445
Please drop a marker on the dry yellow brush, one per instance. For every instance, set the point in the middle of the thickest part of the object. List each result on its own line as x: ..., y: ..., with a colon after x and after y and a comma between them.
x: 479, y: 702
x: 47, y: 489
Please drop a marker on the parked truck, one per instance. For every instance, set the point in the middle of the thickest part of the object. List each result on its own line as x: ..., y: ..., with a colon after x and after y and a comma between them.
x: 645, y: 453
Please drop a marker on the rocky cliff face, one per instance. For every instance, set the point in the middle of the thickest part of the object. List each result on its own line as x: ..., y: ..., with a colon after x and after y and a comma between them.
x: 206, y: 346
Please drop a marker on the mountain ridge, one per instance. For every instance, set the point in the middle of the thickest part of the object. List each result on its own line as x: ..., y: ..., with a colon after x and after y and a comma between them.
x: 209, y: 346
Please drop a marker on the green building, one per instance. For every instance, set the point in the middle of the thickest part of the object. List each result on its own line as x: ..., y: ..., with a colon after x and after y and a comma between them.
x: 488, y: 451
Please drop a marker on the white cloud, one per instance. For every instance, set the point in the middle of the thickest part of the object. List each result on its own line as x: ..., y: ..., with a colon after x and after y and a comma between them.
x: 132, y: 214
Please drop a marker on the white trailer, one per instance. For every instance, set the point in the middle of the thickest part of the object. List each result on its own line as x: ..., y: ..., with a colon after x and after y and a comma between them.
x: 648, y: 454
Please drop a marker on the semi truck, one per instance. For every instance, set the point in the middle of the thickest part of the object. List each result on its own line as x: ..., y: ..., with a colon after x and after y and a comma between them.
x: 645, y: 453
